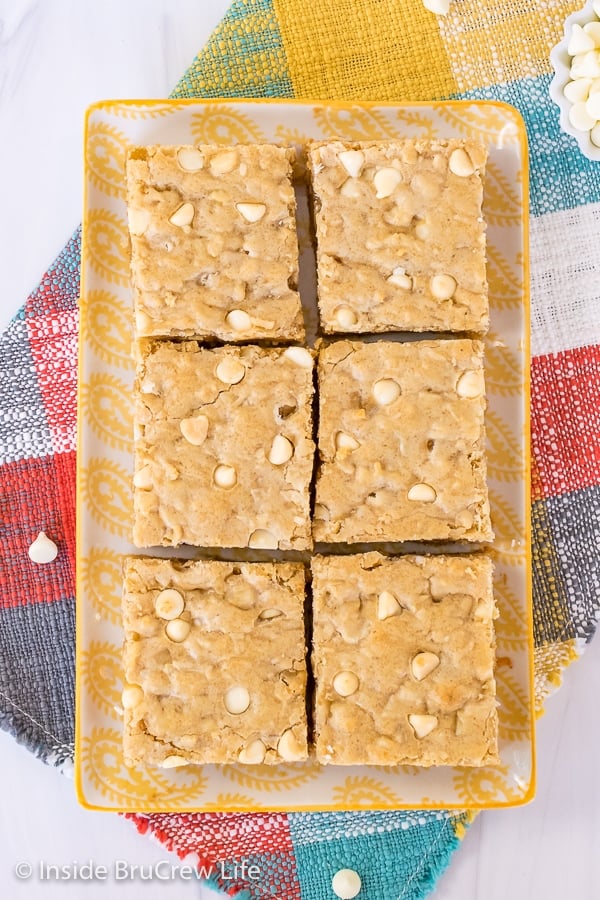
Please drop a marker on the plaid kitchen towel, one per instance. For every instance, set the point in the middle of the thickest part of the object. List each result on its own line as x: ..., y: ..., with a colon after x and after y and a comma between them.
x: 343, y: 49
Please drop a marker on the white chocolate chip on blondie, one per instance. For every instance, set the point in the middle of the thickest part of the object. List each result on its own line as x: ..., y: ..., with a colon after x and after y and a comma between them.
x: 253, y: 754
x: 230, y: 370
x: 422, y: 725
x: 423, y: 664
x: 345, y: 683
x: 281, y: 450
x: 385, y: 391
x: 190, y: 159
x: 177, y: 630
x: 169, y: 604
x: 183, y: 215
x: 352, y: 161
x: 386, y: 180
x: 421, y: 492
x: 225, y: 476
x: 237, y: 700
x: 194, y: 429
x: 387, y: 606
x: 252, y: 212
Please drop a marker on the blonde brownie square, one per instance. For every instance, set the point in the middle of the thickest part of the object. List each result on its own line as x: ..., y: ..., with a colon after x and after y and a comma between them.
x: 400, y: 235
x: 403, y: 660
x: 224, y: 449
x: 214, y: 250
x: 401, y: 442
x: 215, y: 662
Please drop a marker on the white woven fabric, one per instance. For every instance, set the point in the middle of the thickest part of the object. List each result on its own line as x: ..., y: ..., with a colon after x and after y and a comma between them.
x: 565, y: 280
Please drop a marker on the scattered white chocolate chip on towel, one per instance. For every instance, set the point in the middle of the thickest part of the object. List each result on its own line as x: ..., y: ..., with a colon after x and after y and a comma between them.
x: 43, y: 550
x: 346, y: 884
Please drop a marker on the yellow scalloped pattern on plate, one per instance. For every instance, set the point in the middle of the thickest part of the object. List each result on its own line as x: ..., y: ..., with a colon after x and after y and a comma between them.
x: 154, y: 789
x: 106, y: 328
x: 100, y: 580
x: 105, y: 159
x: 103, y: 677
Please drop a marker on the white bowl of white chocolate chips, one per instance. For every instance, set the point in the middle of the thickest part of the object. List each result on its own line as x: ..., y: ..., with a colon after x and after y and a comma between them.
x: 575, y: 87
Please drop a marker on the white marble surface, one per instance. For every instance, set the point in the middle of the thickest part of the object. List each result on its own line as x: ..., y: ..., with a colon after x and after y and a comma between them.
x: 56, y: 57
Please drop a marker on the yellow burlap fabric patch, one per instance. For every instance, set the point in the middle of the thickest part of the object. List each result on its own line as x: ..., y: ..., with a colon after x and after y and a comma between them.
x: 382, y: 50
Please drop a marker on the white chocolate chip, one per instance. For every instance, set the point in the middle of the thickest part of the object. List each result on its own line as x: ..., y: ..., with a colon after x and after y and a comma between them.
x: 254, y: 754
x: 300, y: 356
x: 592, y: 30
x: 460, y: 163
x: 194, y: 429
x: 579, y: 42
x: 579, y: 117
x: 289, y: 747
x: 596, y: 7
x: 387, y: 606
x: 470, y: 384
x: 595, y: 135
x: 225, y: 476
x: 465, y: 519
x: 43, y: 550
x: 345, y: 683
x: 586, y: 65
x: 183, y: 216
x: 139, y: 219
x: 422, y: 230
x: 352, y: 161
x: 261, y: 539
x: 224, y: 162
x: 271, y: 613
x: 422, y: 493
x: 177, y: 630
x: 346, y: 884
x: 173, y: 762
x: 142, y: 479
x: 131, y: 696
x: 345, y: 316
x: 422, y: 725
x: 242, y: 595
x: 238, y: 320
x: 190, y: 159
x: 281, y: 450
x: 236, y: 700
x: 350, y: 188
x: 442, y: 287
x: 169, y: 604
x: 578, y: 91
x: 252, y: 212
x: 386, y: 180
x: 344, y: 441
x: 423, y: 664
x: 592, y: 106
x: 230, y: 370
x: 401, y: 279
x: 385, y: 391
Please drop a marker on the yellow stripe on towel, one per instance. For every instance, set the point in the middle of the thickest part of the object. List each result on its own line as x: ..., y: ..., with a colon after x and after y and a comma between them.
x: 382, y: 50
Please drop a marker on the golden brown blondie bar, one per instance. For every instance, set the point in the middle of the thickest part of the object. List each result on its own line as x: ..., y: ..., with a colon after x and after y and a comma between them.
x: 215, y: 662
x: 224, y: 448
x: 403, y: 660
x: 401, y: 442
x: 214, y: 251
x: 400, y: 235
